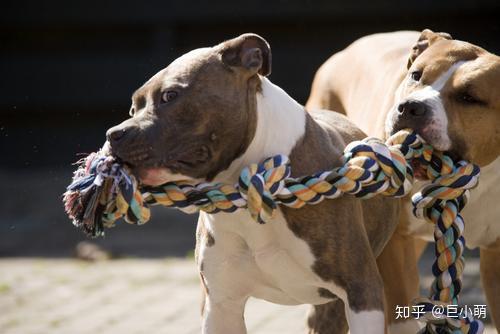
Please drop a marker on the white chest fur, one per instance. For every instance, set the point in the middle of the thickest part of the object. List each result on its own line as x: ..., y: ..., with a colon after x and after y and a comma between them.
x: 481, y: 214
x: 268, y: 261
x: 280, y: 123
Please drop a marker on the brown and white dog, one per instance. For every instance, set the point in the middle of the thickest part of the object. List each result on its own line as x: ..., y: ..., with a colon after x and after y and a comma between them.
x: 212, y: 112
x: 447, y: 90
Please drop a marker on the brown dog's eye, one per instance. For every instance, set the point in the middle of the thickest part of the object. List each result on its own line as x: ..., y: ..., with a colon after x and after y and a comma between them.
x: 416, y: 75
x: 168, y: 96
x: 467, y: 98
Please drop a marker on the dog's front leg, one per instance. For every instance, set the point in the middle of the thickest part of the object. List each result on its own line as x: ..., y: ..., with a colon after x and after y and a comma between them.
x: 399, y: 270
x: 363, y: 300
x: 366, y: 321
x: 328, y: 318
x: 226, y: 273
x: 224, y: 299
x: 223, y: 316
x: 364, y: 304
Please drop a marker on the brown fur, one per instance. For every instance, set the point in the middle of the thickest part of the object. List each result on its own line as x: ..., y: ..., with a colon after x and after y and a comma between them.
x: 383, y: 71
x: 321, y: 321
x: 331, y: 226
x: 381, y: 62
x: 186, y: 136
x: 360, y: 71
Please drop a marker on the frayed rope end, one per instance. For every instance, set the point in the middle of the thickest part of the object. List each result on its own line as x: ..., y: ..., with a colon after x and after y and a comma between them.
x: 91, y: 199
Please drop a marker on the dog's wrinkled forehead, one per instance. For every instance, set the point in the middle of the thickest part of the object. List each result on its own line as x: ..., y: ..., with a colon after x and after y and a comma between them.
x: 182, y: 70
x: 235, y: 60
x: 441, y: 55
x: 185, y: 67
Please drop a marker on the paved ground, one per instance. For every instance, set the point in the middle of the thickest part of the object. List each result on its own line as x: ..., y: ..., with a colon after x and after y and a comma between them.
x: 131, y: 296
x: 120, y: 296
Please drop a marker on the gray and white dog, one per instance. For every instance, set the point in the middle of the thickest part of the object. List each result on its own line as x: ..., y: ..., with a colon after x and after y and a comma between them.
x: 212, y: 112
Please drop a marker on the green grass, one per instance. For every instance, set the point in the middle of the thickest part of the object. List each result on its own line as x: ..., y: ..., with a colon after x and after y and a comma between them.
x: 4, y: 288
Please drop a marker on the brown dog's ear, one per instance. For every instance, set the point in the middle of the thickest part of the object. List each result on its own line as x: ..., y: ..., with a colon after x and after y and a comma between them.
x: 427, y: 37
x: 249, y: 51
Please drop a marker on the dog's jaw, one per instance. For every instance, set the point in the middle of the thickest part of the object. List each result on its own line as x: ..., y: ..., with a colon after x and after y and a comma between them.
x: 156, y: 176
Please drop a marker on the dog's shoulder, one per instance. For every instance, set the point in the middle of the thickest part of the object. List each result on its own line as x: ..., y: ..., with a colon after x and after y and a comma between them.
x: 321, y: 148
x: 337, y: 124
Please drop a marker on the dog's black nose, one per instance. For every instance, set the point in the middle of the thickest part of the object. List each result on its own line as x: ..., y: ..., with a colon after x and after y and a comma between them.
x: 412, y: 108
x: 117, y: 133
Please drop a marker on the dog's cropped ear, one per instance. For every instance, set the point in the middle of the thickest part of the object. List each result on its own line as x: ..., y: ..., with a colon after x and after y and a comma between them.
x: 249, y: 51
x: 427, y: 37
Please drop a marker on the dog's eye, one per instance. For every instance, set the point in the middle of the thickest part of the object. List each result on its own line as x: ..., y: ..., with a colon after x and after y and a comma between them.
x: 131, y: 111
x: 168, y: 96
x: 469, y: 99
x: 416, y: 75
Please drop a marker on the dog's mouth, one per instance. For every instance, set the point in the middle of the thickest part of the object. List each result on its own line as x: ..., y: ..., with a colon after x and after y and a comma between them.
x: 156, y: 176
x: 154, y: 168
x: 160, y: 173
x: 419, y: 170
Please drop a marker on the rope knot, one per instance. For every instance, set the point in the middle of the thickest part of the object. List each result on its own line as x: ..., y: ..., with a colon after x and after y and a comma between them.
x: 387, y: 164
x: 442, y: 317
x: 452, y: 182
x: 260, y: 183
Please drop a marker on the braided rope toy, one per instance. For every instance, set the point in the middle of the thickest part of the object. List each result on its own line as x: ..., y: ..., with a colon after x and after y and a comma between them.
x: 103, y: 191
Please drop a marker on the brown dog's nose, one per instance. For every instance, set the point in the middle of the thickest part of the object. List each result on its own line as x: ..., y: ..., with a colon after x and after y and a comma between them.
x: 412, y: 108
x: 117, y: 133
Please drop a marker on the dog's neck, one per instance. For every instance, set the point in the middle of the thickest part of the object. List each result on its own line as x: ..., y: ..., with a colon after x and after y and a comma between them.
x: 280, y: 124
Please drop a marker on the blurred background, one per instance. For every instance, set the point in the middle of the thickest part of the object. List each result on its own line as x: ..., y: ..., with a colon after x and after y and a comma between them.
x: 68, y: 70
